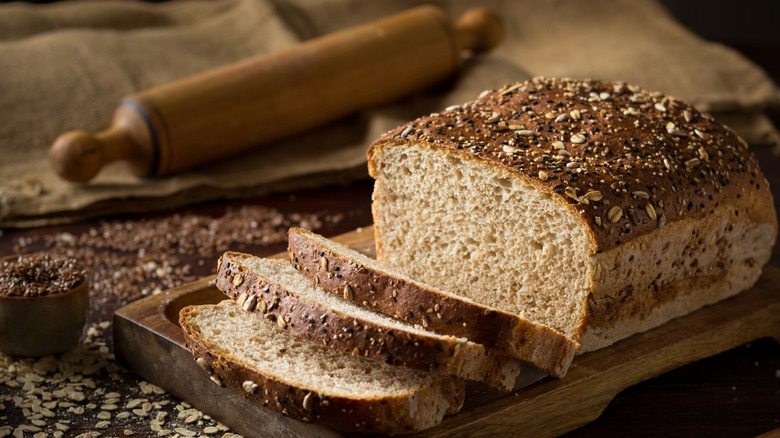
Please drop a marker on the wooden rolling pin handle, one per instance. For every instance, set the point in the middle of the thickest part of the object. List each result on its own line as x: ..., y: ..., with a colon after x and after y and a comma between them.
x: 79, y: 155
x: 479, y: 30
x: 199, y: 119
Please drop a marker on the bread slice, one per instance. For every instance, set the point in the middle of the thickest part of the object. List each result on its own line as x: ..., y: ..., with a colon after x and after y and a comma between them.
x: 598, y: 209
x: 274, y: 290
x: 312, y: 383
x: 359, y: 278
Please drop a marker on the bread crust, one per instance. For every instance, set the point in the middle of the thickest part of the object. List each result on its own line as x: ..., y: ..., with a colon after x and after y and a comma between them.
x: 358, y: 336
x: 627, y: 160
x: 635, y: 168
x: 539, y: 345
x: 401, y: 413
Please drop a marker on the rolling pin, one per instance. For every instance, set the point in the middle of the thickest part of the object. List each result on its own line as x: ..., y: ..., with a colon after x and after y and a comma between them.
x: 221, y: 112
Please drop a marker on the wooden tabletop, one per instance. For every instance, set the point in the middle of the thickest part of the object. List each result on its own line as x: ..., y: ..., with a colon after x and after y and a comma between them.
x: 734, y: 394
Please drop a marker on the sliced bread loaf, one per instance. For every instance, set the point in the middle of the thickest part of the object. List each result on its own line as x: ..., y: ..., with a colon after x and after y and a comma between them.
x: 312, y: 383
x: 274, y: 290
x: 599, y: 209
x: 359, y: 278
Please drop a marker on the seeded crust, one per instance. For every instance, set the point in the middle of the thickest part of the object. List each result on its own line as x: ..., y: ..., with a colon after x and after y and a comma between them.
x: 357, y: 278
x: 665, y: 210
x: 420, y: 402
x: 355, y: 330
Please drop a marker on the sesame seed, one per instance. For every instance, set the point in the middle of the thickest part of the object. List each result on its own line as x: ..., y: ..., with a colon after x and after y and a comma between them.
x: 543, y: 175
x: 558, y: 145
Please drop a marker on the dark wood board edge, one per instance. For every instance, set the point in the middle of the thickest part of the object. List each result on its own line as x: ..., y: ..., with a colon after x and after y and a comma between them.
x: 143, y: 330
x: 553, y: 407
x: 548, y: 408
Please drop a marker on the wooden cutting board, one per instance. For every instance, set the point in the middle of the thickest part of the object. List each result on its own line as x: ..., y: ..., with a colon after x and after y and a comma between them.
x: 149, y: 341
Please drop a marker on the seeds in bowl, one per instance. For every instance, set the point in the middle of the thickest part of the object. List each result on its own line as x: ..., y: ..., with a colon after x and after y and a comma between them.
x: 33, y: 275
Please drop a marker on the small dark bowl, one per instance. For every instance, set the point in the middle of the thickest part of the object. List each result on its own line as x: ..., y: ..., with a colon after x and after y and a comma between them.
x: 43, y: 325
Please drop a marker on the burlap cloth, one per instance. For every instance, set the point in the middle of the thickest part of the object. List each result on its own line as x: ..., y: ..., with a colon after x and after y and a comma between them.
x: 64, y: 66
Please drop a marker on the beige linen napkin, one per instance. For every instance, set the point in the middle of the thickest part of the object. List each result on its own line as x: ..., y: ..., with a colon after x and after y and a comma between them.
x: 64, y: 66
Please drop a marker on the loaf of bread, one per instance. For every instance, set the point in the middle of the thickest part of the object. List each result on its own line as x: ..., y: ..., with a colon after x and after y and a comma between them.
x: 274, y: 290
x: 346, y: 272
x: 598, y: 209
x: 312, y: 383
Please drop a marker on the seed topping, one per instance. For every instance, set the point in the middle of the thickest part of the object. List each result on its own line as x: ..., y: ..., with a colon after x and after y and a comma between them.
x: 249, y: 386
x: 577, y: 138
x: 614, y: 214
x: 250, y: 303
x: 348, y: 295
x: 308, y: 401
x: 641, y: 150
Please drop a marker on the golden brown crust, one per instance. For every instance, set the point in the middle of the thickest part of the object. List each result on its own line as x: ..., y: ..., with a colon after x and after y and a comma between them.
x: 628, y: 160
x: 355, y: 335
x: 675, y: 270
x: 534, y: 343
x: 391, y: 415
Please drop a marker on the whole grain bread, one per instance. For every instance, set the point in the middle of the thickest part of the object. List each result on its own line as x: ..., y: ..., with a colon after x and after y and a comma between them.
x: 274, y: 290
x: 360, y: 279
x: 309, y: 382
x: 596, y: 208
